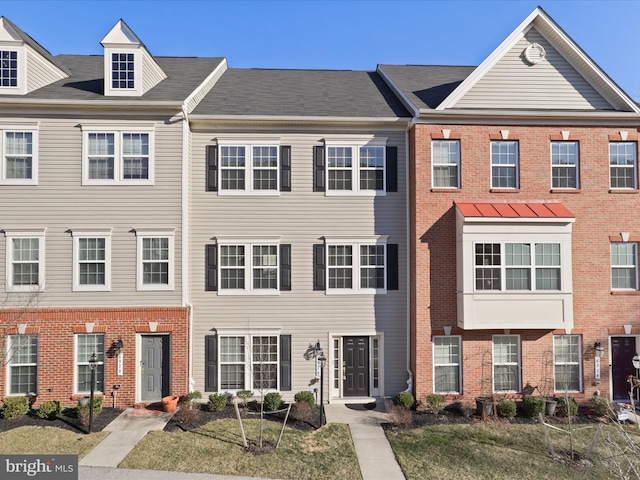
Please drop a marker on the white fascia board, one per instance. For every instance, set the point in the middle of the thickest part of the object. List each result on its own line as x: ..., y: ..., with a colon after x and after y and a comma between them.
x: 398, y: 92
x: 207, y: 84
x: 518, y: 220
x: 200, y: 118
x: 522, y: 116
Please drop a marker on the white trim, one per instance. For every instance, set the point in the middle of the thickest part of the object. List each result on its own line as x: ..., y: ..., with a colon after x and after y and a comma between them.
x: 356, y: 267
x: 136, y: 51
x: 106, y: 236
x: 459, y: 364
x: 564, y: 165
x: 28, y: 233
x: 76, y: 391
x: 10, y: 365
x: 355, y: 144
x: 21, y: 88
x: 519, y: 364
x: 447, y: 140
x: 249, y: 168
x: 248, y: 266
x: 141, y: 286
x: 579, y: 362
x: 34, y: 154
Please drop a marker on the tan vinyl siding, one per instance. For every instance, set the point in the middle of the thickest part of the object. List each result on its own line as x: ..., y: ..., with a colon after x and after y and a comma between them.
x: 61, y: 204
x: 301, y: 218
x: 551, y: 84
x: 39, y: 73
x: 152, y: 74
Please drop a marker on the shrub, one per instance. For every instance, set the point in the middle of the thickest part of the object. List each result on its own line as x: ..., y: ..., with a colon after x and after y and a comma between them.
x: 567, y: 407
x: 187, y: 417
x: 602, y: 407
x: 273, y: 401
x: 244, y: 396
x: 301, y: 411
x: 532, y: 406
x: 401, y: 417
x: 404, y: 399
x: 50, y: 409
x: 305, y: 397
x: 82, y: 411
x: 14, y: 406
x: 217, y: 402
x: 506, y: 408
x: 467, y: 409
x: 195, y: 395
x: 435, y: 402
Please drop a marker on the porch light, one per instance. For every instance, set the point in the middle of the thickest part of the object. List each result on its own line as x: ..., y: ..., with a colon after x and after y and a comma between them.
x: 117, y: 346
x: 599, y: 349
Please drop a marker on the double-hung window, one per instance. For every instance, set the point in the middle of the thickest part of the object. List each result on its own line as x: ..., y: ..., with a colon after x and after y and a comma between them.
x: 249, y: 362
x: 447, y: 364
x: 567, y: 363
x: 249, y: 168
x: 87, y: 345
x: 92, y: 260
x: 155, y: 259
x: 19, y: 156
x: 23, y: 365
x: 624, y: 266
x: 445, y: 159
x: 564, y: 165
x: 352, y: 168
x: 117, y: 156
x: 506, y: 363
x: 518, y: 266
x: 623, y: 165
x: 25, y: 260
x: 251, y: 267
x: 504, y: 164
x: 359, y: 267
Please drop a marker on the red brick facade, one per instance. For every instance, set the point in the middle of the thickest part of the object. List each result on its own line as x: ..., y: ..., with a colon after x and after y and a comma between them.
x: 55, y: 329
x: 601, y: 216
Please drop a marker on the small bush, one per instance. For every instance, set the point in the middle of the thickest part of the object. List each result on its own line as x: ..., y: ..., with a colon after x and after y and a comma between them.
x: 567, y: 407
x: 217, y: 402
x: 272, y: 401
x: 14, y: 406
x: 50, y: 409
x: 195, y: 395
x: 306, y: 397
x: 404, y: 399
x: 532, y: 406
x: 244, y: 396
x: 506, y: 408
x: 467, y: 409
x: 401, y: 417
x: 435, y: 402
x: 187, y: 417
x: 82, y: 411
x: 301, y: 411
x: 602, y: 407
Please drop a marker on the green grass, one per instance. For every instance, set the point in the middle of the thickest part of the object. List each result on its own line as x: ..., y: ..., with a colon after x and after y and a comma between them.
x: 48, y: 440
x: 503, y: 451
x: 217, y: 448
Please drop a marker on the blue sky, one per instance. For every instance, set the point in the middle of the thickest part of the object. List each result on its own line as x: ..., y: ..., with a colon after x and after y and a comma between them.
x: 334, y: 34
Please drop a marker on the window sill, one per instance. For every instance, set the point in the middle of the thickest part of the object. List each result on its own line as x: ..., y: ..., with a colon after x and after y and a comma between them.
x: 446, y: 190
x: 247, y: 293
x: 504, y: 190
x: 625, y: 292
x: 565, y: 190
x: 357, y: 193
x: 248, y: 193
x: 155, y: 288
x: 625, y: 192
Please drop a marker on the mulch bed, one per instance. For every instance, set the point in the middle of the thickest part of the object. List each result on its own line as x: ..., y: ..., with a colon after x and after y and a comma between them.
x: 67, y: 421
x: 186, y: 418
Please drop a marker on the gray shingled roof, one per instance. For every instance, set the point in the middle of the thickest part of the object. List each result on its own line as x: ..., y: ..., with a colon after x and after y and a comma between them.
x: 330, y: 93
x: 86, y: 81
x: 426, y: 86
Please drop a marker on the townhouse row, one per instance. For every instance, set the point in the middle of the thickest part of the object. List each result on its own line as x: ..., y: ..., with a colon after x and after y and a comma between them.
x: 461, y: 230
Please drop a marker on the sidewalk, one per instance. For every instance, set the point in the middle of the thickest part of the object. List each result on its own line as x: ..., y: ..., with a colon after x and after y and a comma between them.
x: 376, y: 459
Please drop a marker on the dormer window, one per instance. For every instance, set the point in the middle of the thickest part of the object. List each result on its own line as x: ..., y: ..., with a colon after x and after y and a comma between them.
x: 122, y: 70
x: 8, y: 68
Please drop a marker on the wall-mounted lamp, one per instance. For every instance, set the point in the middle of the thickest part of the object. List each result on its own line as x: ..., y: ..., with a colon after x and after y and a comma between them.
x: 117, y: 346
x: 599, y: 349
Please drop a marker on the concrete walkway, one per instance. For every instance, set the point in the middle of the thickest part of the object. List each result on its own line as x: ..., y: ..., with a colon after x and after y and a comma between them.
x: 376, y: 459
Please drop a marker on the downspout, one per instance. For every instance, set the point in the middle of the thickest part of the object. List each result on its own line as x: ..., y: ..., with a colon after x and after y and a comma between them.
x: 186, y: 237
x: 409, y: 256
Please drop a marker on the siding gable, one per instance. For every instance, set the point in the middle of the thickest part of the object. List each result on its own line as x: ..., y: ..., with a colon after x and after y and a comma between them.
x: 551, y: 84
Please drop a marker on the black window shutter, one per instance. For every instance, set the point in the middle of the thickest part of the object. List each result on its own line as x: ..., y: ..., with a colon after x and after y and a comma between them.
x: 211, y: 261
x: 319, y: 267
x: 285, y: 267
x: 211, y: 363
x: 392, y: 266
x: 318, y: 169
x: 212, y: 168
x: 285, y: 363
x: 392, y: 169
x: 285, y: 168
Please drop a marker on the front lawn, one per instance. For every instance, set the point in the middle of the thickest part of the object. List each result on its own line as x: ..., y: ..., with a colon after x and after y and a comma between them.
x: 48, y: 440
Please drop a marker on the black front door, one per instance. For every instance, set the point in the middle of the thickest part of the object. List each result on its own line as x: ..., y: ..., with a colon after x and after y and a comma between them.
x: 622, y: 351
x: 356, y: 367
x: 155, y: 367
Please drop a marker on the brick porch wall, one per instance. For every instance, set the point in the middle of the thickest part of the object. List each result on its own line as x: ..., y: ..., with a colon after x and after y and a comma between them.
x: 598, y: 313
x: 55, y: 328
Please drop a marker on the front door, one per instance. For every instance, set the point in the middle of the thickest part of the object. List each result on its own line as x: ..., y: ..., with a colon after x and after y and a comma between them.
x: 356, y: 367
x: 155, y: 367
x: 622, y: 351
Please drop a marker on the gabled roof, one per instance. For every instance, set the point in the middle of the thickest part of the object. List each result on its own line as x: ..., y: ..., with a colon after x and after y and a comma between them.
x: 295, y: 93
x: 86, y: 81
x: 513, y: 210
x: 571, y: 52
x: 11, y: 30
x: 121, y: 34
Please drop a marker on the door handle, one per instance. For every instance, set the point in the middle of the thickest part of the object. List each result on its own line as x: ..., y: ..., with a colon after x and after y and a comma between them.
x: 344, y: 370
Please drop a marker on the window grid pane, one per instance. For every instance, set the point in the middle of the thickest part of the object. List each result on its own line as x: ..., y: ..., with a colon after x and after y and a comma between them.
x: 265, y: 362
x: 88, y: 344
x: 101, y: 156
x: 566, y: 351
x: 371, y: 168
x: 122, y: 70
x: 92, y: 261
x: 8, y: 68
x: 564, y: 164
x: 232, y: 165
x: 506, y: 363
x: 265, y: 168
x: 624, y: 266
x: 622, y: 161
x: 25, y: 261
x: 446, y: 163
x: 232, y: 266
x: 446, y: 358
x: 372, y: 271
x: 155, y: 261
x: 19, y: 155
x: 487, y: 254
x: 23, y: 358
x: 135, y: 156
x: 232, y: 363
x: 504, y: 164
x: 340, y: 164
x: 340, y: 266
x: 265, y: 266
